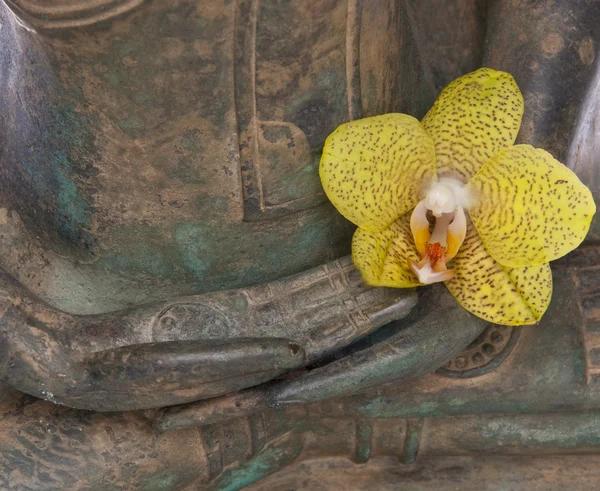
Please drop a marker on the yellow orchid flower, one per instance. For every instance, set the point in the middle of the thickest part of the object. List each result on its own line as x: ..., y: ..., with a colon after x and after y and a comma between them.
x: 407, y: 185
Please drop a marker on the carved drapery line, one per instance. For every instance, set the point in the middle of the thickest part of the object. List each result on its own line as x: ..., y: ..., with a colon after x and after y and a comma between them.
x: 58, y: 15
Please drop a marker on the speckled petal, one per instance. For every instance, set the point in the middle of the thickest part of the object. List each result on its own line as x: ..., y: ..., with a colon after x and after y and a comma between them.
x: 473, y: 118
x: 382, y: 257
x: 373, y: 169
x: 497, y: 294
x: 530, y: 208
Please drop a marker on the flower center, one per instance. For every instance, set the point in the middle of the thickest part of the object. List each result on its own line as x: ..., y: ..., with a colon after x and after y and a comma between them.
x: 445, y: 200
x: 440, y: 199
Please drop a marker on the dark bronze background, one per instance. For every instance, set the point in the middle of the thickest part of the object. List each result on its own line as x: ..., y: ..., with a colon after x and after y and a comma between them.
x: 177, y: 308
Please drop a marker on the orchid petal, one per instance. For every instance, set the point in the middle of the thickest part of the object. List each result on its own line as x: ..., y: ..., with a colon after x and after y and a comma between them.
x: 419, y: 226
x: 373, y: 169
x: 495, y: 293
x: 474, y: 117
x: 382, y: 257
x: 531, y: 209
x: 457, y: 231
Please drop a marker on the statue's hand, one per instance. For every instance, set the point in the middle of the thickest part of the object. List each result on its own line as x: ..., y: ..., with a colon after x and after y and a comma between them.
x: 322, y: 310
x: 190, y: 348
x: 435, y: 332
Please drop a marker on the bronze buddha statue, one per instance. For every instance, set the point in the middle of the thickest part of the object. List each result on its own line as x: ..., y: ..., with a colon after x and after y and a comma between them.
x: 178, y: 307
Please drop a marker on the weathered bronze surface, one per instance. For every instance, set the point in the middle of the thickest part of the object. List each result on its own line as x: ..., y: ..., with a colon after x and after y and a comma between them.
x: 172, y: 269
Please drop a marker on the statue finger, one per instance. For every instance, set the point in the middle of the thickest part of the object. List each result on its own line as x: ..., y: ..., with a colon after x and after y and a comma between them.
x: 434, y: 333
x: 349, y: 320
x: 164, y: 374
x: 322, y: 309
x: 213, y: 411
x: 423, y: 342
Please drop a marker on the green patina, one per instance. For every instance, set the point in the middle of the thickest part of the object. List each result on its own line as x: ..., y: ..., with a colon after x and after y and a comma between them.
x: 75, y: 131
x: 190, y: 256
x: 70, y: 203
x: 381, y: 407
x: 318, y: 112
x: 126, y: 49
x: 139, y: 251
x: 81, y: 289
x: 140, y: 259
x: 216, y: 205
x: 109, y: 487
x: 57, y: 174
x: 130, y: 123
x: 163, y: 480
x: 131, y: 64
x: 364, y: 432
x: 411, y: 444
x: 185, y: 169
x: 559, y: 368
x: 240, y: 303
x: 191, y: 140
x: 298, y: 183
x: 469, y: 403
x: 181, y: 258
x: 195, y: 244
x: 269, y: 461
x: 187, y: 166
x: 113, y: 77
x: 577, y: 432
x: 311, y: 168
x: 143, y: 97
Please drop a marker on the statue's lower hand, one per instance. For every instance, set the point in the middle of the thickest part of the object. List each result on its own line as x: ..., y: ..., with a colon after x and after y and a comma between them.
x: 435, y: 331
x: 190, y: 348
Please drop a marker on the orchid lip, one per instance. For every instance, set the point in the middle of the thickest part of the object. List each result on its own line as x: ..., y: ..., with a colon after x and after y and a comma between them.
x: 441, y: 244
x: 426, y: 273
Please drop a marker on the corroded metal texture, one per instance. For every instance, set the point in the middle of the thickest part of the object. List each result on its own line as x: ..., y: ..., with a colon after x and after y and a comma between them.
x: 60, y: 14
x: 477, y: 473
x: 193, y: 348
x: 531, y: 405
x: 551, y: 48
x: 485, y: 353
x: 140, y: 140
x: 155, y: 149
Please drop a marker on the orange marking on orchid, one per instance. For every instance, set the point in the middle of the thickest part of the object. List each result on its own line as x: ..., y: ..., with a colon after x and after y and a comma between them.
x: 435, y: 252
x: 432, y: 267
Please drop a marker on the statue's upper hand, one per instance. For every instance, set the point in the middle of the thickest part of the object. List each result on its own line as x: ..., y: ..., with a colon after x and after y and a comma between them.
x: 322, y: 310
